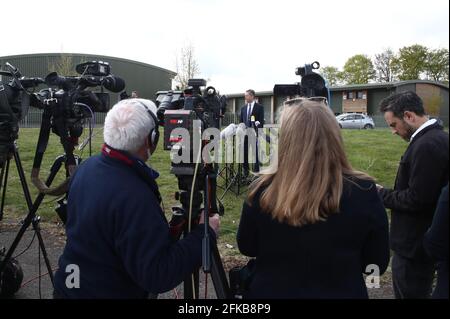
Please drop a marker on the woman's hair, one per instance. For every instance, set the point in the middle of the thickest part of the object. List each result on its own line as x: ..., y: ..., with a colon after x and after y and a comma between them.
x: 128, y: 124
x: 306, y: 184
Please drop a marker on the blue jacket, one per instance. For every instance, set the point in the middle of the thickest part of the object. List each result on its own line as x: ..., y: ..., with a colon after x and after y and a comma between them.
x: 119, y: 237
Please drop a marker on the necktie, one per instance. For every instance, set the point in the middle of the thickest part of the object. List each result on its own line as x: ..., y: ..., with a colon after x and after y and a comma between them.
x: 249, y: 111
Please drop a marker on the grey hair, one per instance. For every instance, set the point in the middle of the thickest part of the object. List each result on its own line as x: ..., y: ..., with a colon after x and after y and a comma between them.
x: 128, y: 124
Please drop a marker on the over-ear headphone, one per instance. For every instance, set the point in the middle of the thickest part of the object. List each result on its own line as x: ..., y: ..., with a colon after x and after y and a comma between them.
x: 153, y: 136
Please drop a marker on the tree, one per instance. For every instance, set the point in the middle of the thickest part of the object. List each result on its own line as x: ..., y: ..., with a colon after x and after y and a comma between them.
x: 436, y: 66
x: 410, y: 62
x: 358, y: 70
x: 186, y: 66
x: 332, y: 75
x: 63, y: 66
x: 383, y: 67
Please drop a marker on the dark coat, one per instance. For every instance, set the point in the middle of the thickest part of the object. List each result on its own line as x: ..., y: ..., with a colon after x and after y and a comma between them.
x: 422, y: 174
x: 322, y: 260
x: 257, y: 112
x: 119, y: 237
x: 436, y: 244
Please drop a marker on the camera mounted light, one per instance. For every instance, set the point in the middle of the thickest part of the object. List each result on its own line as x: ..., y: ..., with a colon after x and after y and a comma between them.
x: 96, y: 68
x: 210, y: 91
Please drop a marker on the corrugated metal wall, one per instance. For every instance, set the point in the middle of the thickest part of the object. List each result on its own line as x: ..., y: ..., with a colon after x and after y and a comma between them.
x: 374, y: 97
x: 445, y: 107
x: 141, y: 77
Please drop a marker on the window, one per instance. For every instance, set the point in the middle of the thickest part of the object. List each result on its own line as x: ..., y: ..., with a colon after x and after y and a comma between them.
x: 349, y: 118
x: 359, y: 117
x: 359, y: 95
x: 350, y: 95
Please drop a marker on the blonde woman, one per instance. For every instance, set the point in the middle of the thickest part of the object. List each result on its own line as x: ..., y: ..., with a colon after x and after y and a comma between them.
x: 314, y: 224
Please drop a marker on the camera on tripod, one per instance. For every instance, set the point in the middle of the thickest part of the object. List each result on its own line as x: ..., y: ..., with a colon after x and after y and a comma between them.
x: 312, y: 84
x: 193, y: 111
x: 67, y: 103
x: 180, y: 108
x: 14, y: 103
x: 72, y: 90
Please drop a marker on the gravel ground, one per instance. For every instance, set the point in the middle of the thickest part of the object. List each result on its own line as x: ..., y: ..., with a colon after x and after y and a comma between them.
x: 54, y: 239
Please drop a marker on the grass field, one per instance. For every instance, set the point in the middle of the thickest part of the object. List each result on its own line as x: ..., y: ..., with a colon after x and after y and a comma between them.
x: 376, y: 152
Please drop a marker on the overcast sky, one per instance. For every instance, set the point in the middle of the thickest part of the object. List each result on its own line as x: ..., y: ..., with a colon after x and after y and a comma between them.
x: 238, y: 44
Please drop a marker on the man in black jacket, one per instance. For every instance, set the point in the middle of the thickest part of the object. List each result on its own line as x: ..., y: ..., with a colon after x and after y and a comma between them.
x: 252, y: 115
x: 422, y: 173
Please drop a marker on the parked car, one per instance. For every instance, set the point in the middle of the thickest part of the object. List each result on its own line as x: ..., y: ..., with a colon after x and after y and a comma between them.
x: 355, y: 120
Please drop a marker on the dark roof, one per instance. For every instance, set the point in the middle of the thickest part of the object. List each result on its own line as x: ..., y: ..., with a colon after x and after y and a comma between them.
x: 368, y: 86
x: 96, y: 56
x: 386, y: 85
x: 261, y: 93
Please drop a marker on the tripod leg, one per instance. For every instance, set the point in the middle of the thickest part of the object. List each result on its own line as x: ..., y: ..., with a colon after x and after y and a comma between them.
x: 239, y: 180
x: 191, y: 286
x: 4, y: 180
x: 218, y: 275
x: 32, y: 207
x: 229, y: 186
x: 37, y: 229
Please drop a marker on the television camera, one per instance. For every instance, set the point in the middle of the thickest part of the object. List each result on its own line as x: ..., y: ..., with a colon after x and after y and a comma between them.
x: 193, y: 111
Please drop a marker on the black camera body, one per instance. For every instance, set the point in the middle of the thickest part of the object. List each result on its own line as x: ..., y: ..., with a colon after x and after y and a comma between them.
x: 73, y: 89
x: 178, y: 109
x: 14, y: 103
x: 194, y: 111
x: 312, y: 84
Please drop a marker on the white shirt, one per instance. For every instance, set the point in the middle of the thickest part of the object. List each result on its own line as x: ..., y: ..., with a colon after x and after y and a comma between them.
x: 250, y: 109
x: 424, y: 125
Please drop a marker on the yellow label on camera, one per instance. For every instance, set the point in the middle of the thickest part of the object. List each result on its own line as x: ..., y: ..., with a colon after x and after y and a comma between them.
x: 252, y: 118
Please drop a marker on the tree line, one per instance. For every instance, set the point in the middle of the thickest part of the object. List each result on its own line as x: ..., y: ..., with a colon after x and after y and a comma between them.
x: 415, y: 62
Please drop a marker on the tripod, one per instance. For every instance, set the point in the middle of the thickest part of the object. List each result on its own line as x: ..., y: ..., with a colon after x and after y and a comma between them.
x: 31, y: 218
x: 234, y: 177
x: 179, y: 225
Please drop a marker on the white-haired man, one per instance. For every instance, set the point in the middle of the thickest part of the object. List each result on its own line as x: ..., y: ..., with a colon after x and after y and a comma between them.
x: 118, y: 242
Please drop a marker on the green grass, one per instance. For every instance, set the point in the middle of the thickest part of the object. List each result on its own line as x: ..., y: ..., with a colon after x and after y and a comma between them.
x: 376, y: 152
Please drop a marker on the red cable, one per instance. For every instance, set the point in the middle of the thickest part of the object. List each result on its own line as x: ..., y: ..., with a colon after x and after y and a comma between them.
x: 176, y: 293
x: 35, y: 278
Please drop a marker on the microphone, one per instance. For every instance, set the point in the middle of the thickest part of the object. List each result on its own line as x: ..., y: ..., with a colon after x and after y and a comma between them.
x: 113, y: 83
x: 228, y: 131
x: 241, y: 129
x: 30, y: 82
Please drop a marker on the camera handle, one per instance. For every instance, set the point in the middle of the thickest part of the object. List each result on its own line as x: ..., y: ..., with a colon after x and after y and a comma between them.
x: 60, y: 125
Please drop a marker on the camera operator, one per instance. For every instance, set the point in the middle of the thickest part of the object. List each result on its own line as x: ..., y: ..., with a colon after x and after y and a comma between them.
x: 313, y: 223
x: 117, y: 235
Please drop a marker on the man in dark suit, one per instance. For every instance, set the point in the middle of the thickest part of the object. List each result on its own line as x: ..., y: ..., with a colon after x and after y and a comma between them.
x: 252, y: 115
x: 422, y: 173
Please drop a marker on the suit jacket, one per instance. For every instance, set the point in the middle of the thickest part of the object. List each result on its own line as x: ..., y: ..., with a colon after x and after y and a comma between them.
x: 436, y: 243
x: 422, y: 173
x: 257, y: 112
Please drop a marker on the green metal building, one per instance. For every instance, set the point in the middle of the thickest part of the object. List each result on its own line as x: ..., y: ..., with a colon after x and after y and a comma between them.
x: 144, y: 78
x: 362, y: 98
